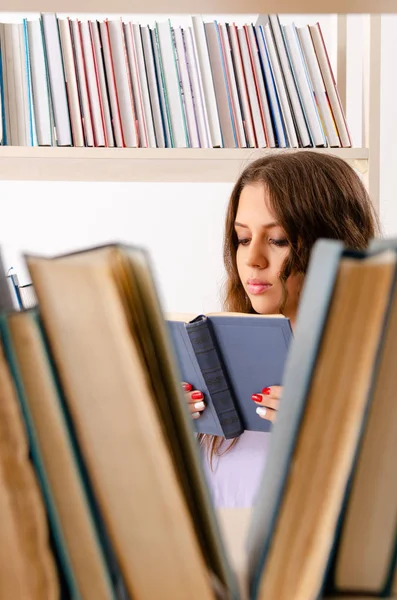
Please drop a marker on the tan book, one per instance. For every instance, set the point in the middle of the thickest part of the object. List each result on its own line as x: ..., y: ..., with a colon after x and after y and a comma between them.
x: 77, y: 535
x: 109, y: 343
x: 27, y: 567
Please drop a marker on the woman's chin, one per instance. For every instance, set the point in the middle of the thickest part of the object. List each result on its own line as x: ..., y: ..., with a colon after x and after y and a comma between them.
x: 263, y: 307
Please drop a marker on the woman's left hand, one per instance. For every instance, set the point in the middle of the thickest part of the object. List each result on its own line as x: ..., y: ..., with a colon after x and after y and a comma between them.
x: 268, y: 402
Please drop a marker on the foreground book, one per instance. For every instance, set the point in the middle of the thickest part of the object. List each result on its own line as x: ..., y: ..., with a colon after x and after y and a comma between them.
x: 98, y: 365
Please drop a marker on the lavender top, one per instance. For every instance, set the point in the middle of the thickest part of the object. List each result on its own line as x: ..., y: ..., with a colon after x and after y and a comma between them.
x: 235, y: 476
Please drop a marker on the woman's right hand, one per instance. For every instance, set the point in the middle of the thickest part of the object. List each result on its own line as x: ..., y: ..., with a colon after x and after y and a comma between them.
x: 195, y: 400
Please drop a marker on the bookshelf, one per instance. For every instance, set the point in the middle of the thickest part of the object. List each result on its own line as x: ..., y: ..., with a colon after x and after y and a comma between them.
x: 215, y: 165
x: 142, y: 164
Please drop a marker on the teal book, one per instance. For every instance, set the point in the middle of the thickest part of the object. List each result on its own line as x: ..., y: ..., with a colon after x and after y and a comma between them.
x: 229, y: 357
x: 327, y: 392
x: 71, y: 512
x: 364, y: 557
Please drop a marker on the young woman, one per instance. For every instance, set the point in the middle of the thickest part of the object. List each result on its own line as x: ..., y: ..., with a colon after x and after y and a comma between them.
x: 280, y: 205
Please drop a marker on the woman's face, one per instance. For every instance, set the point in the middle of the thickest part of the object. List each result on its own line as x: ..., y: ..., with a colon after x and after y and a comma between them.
x: 263, y: 247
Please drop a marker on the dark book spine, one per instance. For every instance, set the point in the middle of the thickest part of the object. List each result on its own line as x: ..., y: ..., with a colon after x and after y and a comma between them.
x: 215, y: 376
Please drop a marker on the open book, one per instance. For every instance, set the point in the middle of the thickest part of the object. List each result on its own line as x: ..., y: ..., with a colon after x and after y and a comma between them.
x: 229, y: 357
x: 100, y: 360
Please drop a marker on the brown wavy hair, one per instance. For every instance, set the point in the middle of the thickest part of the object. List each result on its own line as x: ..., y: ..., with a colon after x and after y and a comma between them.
x: 312, y: 195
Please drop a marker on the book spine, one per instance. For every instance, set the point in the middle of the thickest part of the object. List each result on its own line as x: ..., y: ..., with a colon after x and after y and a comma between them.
x: 204, y: 346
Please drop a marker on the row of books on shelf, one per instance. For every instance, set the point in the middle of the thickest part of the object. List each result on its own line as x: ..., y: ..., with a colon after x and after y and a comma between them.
x: 116, y: 83
x: 102, y: 490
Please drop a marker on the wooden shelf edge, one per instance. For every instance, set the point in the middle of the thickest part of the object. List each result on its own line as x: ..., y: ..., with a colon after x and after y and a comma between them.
x: 142, y: 165
x: 206, y: 6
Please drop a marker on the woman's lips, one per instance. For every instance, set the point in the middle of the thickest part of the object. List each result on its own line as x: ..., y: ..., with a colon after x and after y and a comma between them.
x: 257, y: 287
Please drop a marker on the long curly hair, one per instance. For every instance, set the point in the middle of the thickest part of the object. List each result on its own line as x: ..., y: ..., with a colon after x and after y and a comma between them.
x: 312, y: 195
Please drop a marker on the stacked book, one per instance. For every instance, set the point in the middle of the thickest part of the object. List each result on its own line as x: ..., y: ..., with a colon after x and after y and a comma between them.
x: 115, y: 83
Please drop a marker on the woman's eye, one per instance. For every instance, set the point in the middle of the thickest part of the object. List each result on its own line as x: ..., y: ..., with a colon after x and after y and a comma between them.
x: 281, y: 242
x: 243, y: 242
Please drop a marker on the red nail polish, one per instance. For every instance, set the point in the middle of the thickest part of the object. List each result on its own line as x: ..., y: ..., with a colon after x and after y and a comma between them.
x: 187, y: 387
x: 197, y: 396
x: 266, y: 391
x: 256, y: 398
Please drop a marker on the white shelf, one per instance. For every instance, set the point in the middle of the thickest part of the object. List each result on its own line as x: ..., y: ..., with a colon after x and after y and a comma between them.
x: 206, y: 6
x: 130, y: 164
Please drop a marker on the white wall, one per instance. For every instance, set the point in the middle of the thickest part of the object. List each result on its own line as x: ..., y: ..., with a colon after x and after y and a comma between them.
x: 180, y: 224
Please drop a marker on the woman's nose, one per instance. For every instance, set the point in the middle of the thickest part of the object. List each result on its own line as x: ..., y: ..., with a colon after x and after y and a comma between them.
x: 257, y: 257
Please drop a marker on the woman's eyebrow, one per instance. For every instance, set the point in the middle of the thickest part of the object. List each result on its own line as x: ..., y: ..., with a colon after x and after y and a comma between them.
x: 266, y: 226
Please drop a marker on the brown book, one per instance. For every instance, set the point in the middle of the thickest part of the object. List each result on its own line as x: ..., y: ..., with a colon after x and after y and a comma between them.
x: 27, y: 567
x: 58, y: 458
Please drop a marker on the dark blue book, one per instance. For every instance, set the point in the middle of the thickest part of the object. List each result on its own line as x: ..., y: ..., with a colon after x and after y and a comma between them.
x: 229, y: 357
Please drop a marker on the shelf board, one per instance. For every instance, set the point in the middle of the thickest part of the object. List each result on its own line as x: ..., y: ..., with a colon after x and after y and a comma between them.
x: 206, y: 6
x: 140, y: 164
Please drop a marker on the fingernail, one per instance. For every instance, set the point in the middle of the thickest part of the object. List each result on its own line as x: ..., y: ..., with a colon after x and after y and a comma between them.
x: 195, y: 415
x: 197, y: 396
x: 187, y: 387
x: 261, y: 411
x: 266, y: 391
x: 199, y: 405
x: 256, y: 398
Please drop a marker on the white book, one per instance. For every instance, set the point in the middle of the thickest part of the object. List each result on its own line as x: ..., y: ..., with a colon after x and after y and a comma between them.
x: 18, y: 128
x: 82, y: 83
x: 136, y: 30
x: 304, y: 85
x: 197, y: 90
x: 92, y: 84
x: 225, y: 112
x: 249, y: 77
x: 289, y: 81
x: 281, y: 87
x: 257, y: 71
x: 136, y: 85
x: 152, y: 86
x: 194, y: 141
x: 123, y: 83
x: 330, y: 85
x: 240, y: 78
x: 233, y: 85
x: 57, y: 82
x: 111, y: 81
x: 320, y: 92
x: 172, y: 86
x: 271, y: 88
x: 71, y: 82
x: 104, y: 96
x: 207, y: 81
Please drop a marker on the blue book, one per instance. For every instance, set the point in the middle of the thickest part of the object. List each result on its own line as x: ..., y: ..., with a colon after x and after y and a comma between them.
x: 229, y: 357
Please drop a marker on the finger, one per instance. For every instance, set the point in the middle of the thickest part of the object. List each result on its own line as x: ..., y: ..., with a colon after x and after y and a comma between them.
x: 274, y: 391
x: 197, y: 407
x: 187, y: 386
x: 194, y: 396
x: 195, y: 415
x: 265, y: 401
x: 266, y: 413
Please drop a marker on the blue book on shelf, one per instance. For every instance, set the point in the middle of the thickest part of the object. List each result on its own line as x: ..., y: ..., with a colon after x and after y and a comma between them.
x: 229, y: 357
